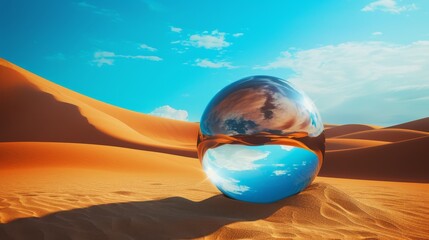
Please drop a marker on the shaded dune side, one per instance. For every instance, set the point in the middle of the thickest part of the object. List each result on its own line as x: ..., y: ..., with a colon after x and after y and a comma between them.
x: 399, y: 161
x: 31, y: 114
x: 418, y: 125
x: 330, y: 213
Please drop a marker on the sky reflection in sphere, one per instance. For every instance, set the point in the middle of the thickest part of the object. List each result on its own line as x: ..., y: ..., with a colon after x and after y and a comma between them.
x: 261, y: 140
x: 259, y: 173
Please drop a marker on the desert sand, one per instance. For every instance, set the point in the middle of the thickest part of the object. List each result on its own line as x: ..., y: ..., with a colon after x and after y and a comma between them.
x: 72, y: 167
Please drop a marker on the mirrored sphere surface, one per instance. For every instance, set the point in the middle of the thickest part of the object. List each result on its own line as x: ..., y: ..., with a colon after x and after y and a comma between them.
x: 261, y: 140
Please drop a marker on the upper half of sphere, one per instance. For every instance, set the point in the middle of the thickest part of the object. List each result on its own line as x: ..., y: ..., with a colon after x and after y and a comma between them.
x: 260, y: 104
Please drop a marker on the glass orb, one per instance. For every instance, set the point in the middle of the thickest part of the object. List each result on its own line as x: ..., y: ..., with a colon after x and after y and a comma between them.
x: 261, y: 140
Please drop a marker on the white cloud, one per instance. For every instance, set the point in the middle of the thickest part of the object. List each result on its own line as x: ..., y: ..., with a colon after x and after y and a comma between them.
x: 280, y: 172
x: 108, y: 58
x: 146, y: 47
x: 102, y: 54
x: 205, y: 63
x: 151, y: 58
x: 235, y: 157
x: 176, y: 29
x: 377, y: 33
x: 213, y: 40
x: 287, y: 148
x: 103, y: 58
x: 362, y: 81
x: 103, y: 61
x: 230, y: 185
x: 169, y: 112
x: 390, y: 6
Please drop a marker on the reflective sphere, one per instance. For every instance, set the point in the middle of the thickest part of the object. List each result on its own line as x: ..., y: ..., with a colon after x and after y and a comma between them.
x: 261, y: 140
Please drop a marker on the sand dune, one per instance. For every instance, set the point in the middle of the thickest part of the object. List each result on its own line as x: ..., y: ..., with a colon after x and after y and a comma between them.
x: 400, y: 161
x: 391, y: 154
x: 72, y: 167
x: 39, y: 110
x: 417, y: 125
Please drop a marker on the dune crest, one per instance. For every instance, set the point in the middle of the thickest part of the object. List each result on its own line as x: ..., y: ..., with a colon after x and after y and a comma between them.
x: 334, y: 131
x: 386, y: 134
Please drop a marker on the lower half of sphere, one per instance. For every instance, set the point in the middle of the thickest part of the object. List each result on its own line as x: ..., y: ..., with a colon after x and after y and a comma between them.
x: 260, y: 174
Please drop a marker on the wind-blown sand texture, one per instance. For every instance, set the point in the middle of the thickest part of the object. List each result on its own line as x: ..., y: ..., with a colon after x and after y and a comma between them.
x: 72, y: 167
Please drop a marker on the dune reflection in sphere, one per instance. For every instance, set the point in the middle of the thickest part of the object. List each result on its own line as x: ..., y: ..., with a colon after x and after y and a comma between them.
x: 261, y: 140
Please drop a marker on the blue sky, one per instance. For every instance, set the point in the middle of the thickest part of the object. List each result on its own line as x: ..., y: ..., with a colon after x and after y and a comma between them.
x: 362, y: 61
